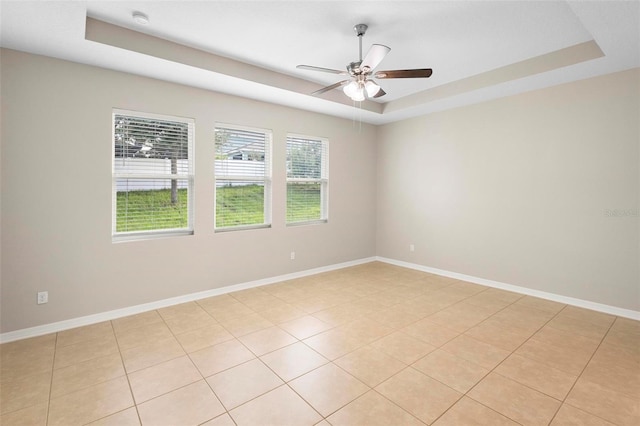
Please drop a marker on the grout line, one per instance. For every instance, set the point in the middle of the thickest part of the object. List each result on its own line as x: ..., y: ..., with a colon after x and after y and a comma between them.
x: 53, y: 364
x: 582, y: 372
x: 124, y: 368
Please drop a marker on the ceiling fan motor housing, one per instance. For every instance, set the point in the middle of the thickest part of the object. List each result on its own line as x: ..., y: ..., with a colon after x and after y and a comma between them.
x: 354, y: 68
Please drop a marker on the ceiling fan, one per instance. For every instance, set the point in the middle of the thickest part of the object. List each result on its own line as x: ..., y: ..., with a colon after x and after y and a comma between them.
x: 361, y: 85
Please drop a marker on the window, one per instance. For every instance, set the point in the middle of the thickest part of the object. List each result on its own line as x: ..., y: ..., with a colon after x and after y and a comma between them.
x: 243, y: 177
x: 152, y: 175
x: 307, y: 179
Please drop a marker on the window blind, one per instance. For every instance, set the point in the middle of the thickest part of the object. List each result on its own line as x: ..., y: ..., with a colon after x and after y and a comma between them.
x: 307, y: 179
x: 243, y: 177
x: 152, y: 174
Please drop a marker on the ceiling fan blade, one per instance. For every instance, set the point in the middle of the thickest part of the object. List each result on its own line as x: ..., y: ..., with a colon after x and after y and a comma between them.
x: 312, y: 68
x: 333, y: 86
x: 417, y: 73
x: 380, y: 93
x: 375, y: 55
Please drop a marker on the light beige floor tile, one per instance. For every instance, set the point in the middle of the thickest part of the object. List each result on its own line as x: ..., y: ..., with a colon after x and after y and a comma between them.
x: 580, y: 327
x: 339, y: 314
x: 523, y: 404
x: 264, y: 302
x: 613, y: 375
x: 581, y: 314
x: 493, y: 298
x: 228, y: 311
x: 496, y: 334
x: 467, y: 412
x: 267, y: 340
x: 430, y: 332
x: 24, y: 392
x: 17, y: 365
x: 293, y: 361
x: 540, y: 304
x: 86, y: 374
x: 457, y: 373
x: 80, y: 334
x: 201, y: 338
x: 424, y: 306
x: 623, y: 356
x: 190, y: 405
x: 305, y: 326
x: 420, y: 395
x: 370, y: 365
x: 282, y: 313
x: 128, y: 417
x: 523, y: 317
x: 570, y: 416
x: 134, y: 321
x: 333, y: 343
x: 623, y: 339
x: 280, y: 406
x: 316, y: 304
x: 40, y: 344
x: 214, y: 359
x: 90, y: 404
x: 366, y: 330
x: 602, y: 402
x: 370, y: 305
x: 483, y: 354
x: 567, y: 340
x: 85, y: 351
x: 403, y: 347
x: 396, y: 316
x: 162, y: 378
x: 239, y: 326
x: 35, y: 415
x: 143, y: 335
x: 328, y: 388
x: 151, y: 354
x: 372, y: 409
x: 242, y: 383
x: 223, y: 420
x: 567, y: 360
x: 181, y: 309
x: 181, y: 323
x: 626, y: 325
x: 214, y: 302
x: 536, y: 375
x: 461, y: 316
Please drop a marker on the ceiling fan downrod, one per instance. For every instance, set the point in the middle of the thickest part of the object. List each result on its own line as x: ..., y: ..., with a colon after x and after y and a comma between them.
x: 360, y: 30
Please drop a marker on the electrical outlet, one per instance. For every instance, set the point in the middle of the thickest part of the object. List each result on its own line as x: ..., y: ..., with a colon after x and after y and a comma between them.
x: 412, y: 247
x: 43, y: 297
x: 293, y: 255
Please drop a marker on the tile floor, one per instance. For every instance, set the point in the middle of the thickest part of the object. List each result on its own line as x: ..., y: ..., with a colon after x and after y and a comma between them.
x: 373, y: 344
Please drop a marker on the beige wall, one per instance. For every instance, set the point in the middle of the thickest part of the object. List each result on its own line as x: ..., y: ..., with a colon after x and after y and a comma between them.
x: 516, y: 190
x: 56, y: 195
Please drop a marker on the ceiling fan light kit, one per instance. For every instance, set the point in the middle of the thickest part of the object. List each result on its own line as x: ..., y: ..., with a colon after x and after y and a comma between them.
x: 361, y: 86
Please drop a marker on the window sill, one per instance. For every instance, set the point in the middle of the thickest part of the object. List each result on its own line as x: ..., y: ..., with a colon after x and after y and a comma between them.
x: 242, y: 228
x: 149, y: 235
x: 309, y: 222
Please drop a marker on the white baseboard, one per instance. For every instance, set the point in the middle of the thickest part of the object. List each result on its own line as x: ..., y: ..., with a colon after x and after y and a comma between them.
x: 613, y: 310
x: 132, y: 310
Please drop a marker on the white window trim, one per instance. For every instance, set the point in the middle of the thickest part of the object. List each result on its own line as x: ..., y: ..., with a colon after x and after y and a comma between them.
x: 324, y: 181
x: 267, y: 179
x: 160, y: 233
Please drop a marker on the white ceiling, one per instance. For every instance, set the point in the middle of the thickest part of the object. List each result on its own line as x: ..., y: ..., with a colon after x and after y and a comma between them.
x: 474, y: 47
